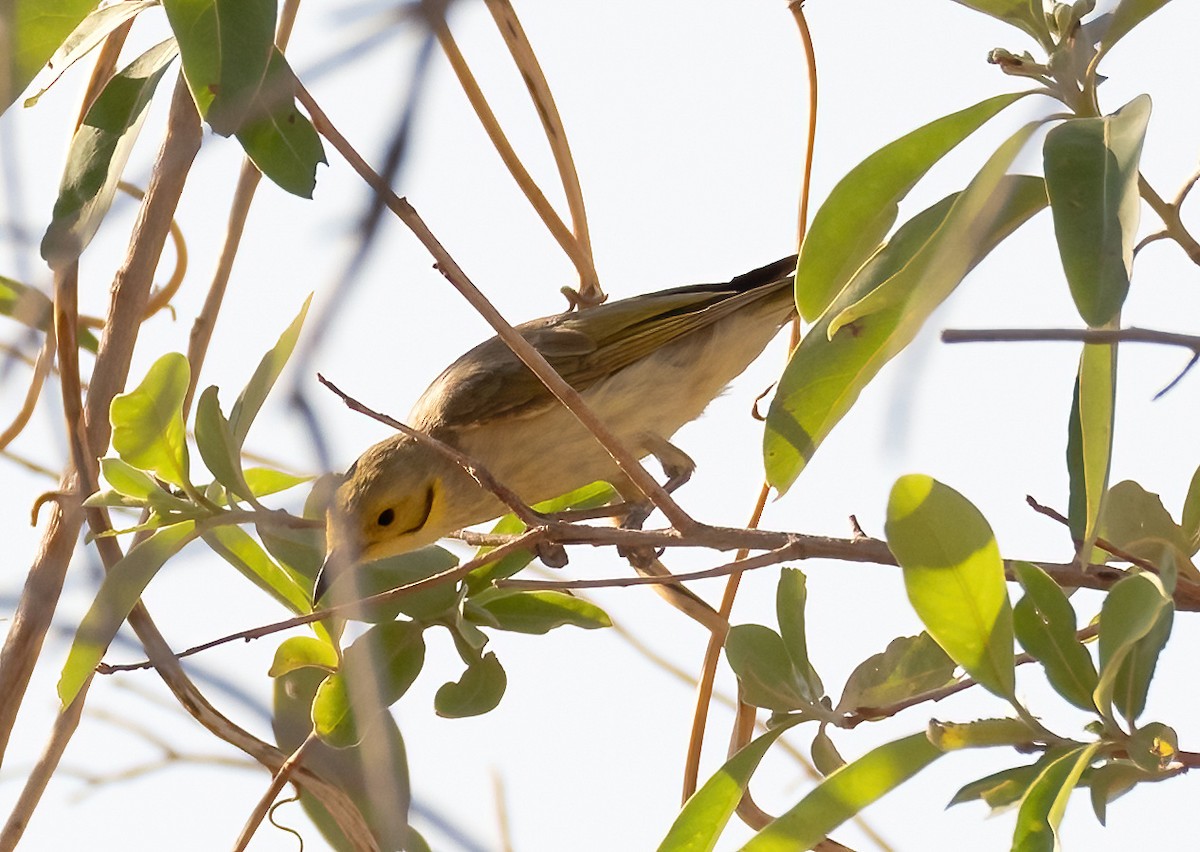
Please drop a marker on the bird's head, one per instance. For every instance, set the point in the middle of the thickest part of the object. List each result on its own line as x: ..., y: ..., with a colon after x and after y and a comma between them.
x: 390, y: 501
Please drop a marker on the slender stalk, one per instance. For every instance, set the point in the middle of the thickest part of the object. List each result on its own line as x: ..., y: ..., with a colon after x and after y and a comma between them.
x: 529, y: 356
x: 556, y: 134
x: 553, y: 222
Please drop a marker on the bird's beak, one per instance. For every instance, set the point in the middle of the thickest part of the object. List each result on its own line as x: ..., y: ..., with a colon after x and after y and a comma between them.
x: 333, y: 566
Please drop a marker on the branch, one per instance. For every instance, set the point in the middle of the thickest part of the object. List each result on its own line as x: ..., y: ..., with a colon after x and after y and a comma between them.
x: 524, y: 542
x: 1085, y: 335
x: 870, y: 714
x: 472, y: 468
x: 529, y: 356
x: 130, y: 289
x: 1169, y: 213
x: 556, y: 134
x: 794, y: 550
x: 567, y: 241
x: 1088, y: 335
x: 281, y: 777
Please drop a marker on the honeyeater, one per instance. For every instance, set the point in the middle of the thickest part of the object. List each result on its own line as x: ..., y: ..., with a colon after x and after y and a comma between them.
x: 645, y: 365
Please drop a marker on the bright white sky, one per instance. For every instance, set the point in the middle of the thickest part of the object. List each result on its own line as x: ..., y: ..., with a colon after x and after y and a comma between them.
x: 686, y: 120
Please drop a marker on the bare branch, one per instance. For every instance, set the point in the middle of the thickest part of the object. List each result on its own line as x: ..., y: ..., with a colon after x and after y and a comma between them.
x: 471, y: 467
x: 529, y: 356
x: 282, y: 775
x: 556, y: 134
x: 1083, y: 335
x: 569, y: 242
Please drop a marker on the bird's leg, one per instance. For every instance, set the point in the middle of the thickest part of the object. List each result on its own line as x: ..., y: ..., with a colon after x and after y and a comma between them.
x: 676, y: 464
x: 678, y: 467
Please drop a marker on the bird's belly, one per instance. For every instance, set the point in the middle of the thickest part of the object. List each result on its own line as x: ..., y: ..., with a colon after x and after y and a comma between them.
x: 550, y: 453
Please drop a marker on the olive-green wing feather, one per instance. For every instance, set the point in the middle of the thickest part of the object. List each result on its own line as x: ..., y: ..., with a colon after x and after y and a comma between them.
x: 490, y: 382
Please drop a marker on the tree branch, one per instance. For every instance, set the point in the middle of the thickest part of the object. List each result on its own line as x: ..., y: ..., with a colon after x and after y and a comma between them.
x: 529, y: 356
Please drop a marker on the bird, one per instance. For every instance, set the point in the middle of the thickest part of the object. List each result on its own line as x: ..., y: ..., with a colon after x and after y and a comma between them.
x: 646, y: 365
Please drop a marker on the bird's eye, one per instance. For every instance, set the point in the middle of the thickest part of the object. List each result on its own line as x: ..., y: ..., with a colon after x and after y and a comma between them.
x: 386, y: 517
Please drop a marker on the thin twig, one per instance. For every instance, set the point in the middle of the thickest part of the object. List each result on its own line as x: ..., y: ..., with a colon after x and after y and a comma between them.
x: 1084, y: 335
x: 712, y: 652
x: 41, y: 369
x: 556, y: 134
x: 1107, y: 546
x: 1185, y: 190
x: 472, y: 468
x: 871, y: 714
x: 161, y: 298
x: 529, y: 356
x: 553, y: 222
x: 1169, y: 213
x: 282, y: 775
x: 525, y: 542
x: 737, y: 566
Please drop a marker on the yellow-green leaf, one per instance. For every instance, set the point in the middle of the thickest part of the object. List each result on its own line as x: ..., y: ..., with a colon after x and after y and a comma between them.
x: 954, y: 577
x: 147, y: 422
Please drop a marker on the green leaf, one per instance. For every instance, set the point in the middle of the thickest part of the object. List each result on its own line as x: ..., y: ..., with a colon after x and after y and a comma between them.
x: 910, y: 666
x: 856, y: 216
x: 332, y: 717
x: 760, y: 659
x: 226, y: 46
x: 374, y: 774
x: 844, y: 793
x: 1191, y: 513
x: 1110, y: 782
x: 1003, y: 788
x: 31, y: 307
x: 266, y: 480
x: 396, y: 571
x: 540, y: 612
x: 277, y: 137
x: 1131, y: 612
x: 915, y: 272
x: 119, y: 592
x: 825, y: 756
x: 478, y: 691
x: 790, y: 599
x: 1045, y: 802
x: 33, y: 30
x: 239, y: 549
x: 1089, y: 437
x: 300, y: 652
x: 99, y: 151
x: 1026, y: 15
x: 92, y: 30
x: 377, y: 669
x: 1045, y: 624
x: 1133, y: 678
x: 982, y: 733
x: 250, y: 400
x: 707, y: 812
x: 985, y: 213
x: 1137, y: 522
x: 589, y: 496
x: 1092, y: 179
x: 127, y: 479
x: 1127, y: 15
x: 300, y: 551
x: 954, y: 577
x: 214, y: 439
x: 147, y: 422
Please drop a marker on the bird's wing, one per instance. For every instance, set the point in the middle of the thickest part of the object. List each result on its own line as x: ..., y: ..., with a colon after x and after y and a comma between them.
x: 490, y: 382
